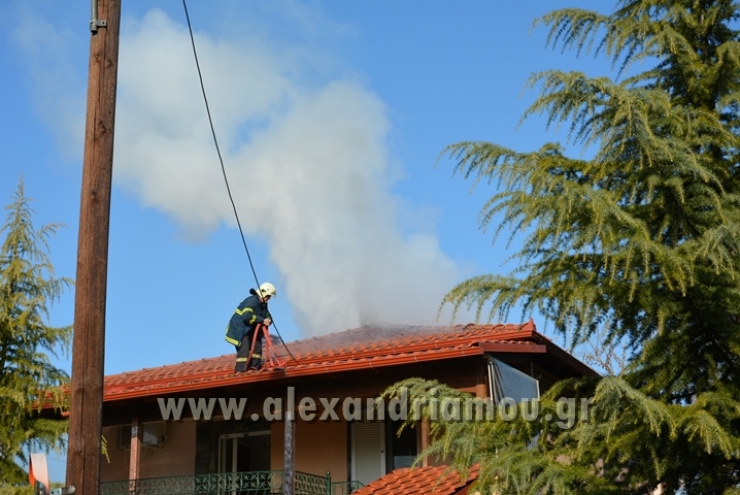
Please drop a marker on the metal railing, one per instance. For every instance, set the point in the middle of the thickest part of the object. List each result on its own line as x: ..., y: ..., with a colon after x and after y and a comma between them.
x: 243, y: 483
x: 345, y: 487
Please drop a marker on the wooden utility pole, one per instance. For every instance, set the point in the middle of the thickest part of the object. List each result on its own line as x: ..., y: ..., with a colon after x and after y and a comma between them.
x: 88, y: 345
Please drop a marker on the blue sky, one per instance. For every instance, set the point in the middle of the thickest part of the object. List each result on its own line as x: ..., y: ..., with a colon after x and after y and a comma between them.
x: 331, y: 116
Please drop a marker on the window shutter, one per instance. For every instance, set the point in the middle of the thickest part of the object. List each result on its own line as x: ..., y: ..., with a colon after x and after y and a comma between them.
x: 368, y: 451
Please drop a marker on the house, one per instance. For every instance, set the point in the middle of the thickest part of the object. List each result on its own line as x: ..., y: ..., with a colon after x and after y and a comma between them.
x: 197, y: 427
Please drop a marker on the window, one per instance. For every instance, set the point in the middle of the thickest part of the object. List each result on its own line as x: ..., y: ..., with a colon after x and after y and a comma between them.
x: 403, y: 448
x: 377, y: 449
x: 368, y: 451
x: 242, y: 452
x: 153, y: 435
x: 505, y: 381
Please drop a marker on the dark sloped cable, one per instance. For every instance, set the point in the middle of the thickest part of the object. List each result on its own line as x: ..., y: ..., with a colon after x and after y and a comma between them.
x: 221, y: 161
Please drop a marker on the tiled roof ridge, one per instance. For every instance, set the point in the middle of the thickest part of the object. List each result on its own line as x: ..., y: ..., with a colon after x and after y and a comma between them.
x: 183, y: 383
x: 187, y: 382
x: 320, y: 355
x: 437, y: 344
x: 353, y: 349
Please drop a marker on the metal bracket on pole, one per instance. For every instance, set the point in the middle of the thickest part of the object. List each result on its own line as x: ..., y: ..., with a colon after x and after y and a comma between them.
x: 97, y: 23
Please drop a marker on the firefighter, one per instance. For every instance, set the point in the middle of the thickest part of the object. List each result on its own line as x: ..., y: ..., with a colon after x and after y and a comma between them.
x: 245, y: 322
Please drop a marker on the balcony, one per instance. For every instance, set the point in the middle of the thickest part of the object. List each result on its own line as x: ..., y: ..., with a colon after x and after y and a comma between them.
x: 244, y: 483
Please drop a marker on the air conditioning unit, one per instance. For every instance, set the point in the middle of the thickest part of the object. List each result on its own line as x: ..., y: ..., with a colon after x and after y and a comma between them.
x: 153, y: 436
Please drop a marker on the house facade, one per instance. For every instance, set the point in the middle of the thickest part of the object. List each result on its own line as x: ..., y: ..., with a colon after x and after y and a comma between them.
x: 197, y: 427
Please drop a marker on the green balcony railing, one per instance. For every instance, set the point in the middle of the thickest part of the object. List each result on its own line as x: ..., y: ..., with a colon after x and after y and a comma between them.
x: 345, y: 487
x: 244, y: 483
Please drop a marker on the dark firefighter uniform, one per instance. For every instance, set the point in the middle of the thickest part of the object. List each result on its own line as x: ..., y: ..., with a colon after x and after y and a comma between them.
x: 251, y: 312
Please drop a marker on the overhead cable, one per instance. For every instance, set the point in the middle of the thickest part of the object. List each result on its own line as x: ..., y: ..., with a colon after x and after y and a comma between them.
x: 221, y: 161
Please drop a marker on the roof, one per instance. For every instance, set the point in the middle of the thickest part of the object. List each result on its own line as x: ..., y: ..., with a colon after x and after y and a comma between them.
x: 421, y: 480
x: 355, y: 349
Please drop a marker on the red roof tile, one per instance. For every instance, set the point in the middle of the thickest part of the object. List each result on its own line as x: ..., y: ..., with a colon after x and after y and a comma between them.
x: 422, y: 480
x: 359, y: 348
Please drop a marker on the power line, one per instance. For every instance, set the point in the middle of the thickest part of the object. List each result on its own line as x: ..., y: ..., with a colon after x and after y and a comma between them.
x: 215, y: 142
x: 221, y: 161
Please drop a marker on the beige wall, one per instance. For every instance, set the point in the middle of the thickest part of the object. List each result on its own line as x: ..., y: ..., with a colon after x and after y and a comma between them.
x: 320, y: 446
x: 176, y: 458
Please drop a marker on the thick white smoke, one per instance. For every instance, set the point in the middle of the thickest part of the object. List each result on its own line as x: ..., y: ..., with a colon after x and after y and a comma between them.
x: 308, y: 166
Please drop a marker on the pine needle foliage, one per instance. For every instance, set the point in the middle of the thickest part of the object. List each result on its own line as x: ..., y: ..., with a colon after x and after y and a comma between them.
x: 639, y: 242
x: 28, y: 378
x: 621, y: 442
x: 644, y: 237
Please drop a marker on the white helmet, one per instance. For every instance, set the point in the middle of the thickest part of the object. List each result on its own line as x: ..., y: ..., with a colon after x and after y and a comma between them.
x: 267, y: 289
